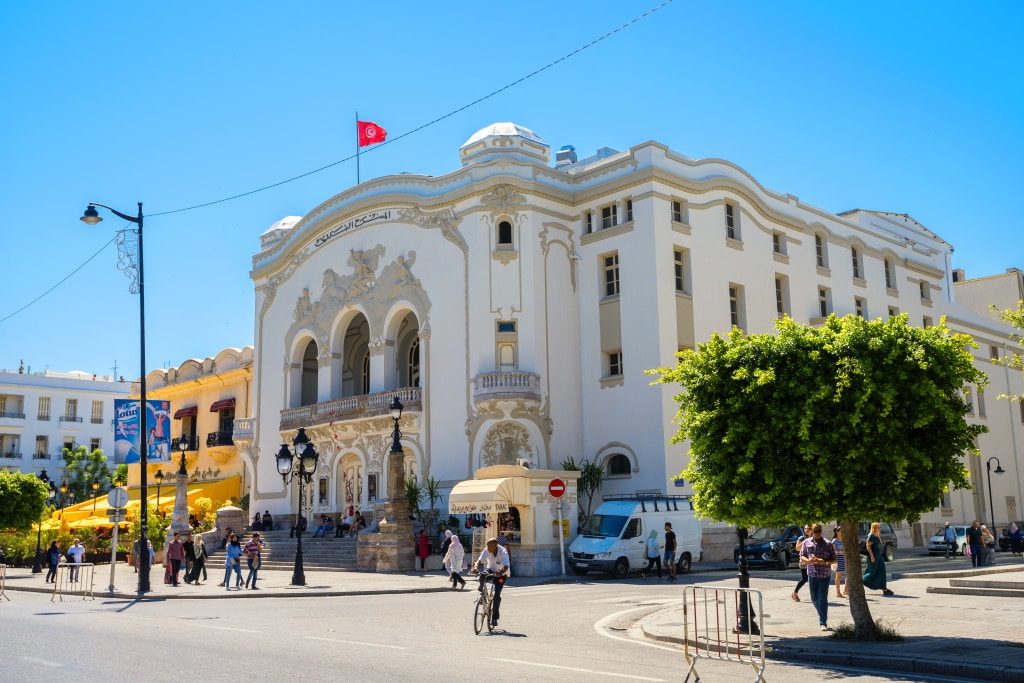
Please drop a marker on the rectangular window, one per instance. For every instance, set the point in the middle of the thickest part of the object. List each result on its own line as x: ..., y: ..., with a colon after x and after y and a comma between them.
x: 94, y: 445
x: 778, y: 243
x: 824, y: 304
x: 97, y: 413
x: 609, y: 217
x: 860, y: 306
x: 855, y: 256
x: 736, y: 313
x: 981, y: 403
x: 781, y: 295
x: 42, y: 446
x: 588, y: 220
x: 44, y: 409
x: 732, y: 230
x: 681, y: 267
x: 629, y: 210
x: 926, y: 322
x: 615, y: 364
x: 893, y: 311
x: 71, y: 410
x: 1021, y: 404
x: 611, y: 275
x: 993, y: 352
x: 969, y: 397
x: 925, y: 291
x: 679, y: 212
x: 890, y: 281
x: 819, y: 251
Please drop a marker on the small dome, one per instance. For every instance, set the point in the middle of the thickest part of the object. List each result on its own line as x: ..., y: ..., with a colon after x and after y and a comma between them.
x: 507, y: 140
x: 505, y: 129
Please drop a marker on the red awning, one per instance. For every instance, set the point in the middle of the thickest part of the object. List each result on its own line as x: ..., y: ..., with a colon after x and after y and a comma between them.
x: 186, y: 412
x: 218, y: 406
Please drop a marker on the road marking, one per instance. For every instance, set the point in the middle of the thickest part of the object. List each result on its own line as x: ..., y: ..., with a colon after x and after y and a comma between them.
x: 600, y: 627
x: 44, y: 662
x: 226, y: 628
x: 356, y: 642
x: 573, y: 668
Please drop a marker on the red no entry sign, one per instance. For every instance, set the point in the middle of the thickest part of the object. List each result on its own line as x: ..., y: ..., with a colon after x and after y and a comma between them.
x: 556, y: 488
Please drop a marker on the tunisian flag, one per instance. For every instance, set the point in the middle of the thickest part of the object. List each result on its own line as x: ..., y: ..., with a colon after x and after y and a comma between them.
x: 370, y: 133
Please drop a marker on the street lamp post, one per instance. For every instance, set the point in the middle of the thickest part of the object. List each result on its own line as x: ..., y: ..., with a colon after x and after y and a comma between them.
x: 301, y: 468
x: 37, y: 566
x: 126, y: 263
x: 159, y: 476
x: 179, y: 516
x: 95, y: 491
x: 991, y: 507
x: 396, y: 463
x: 745, y: 622
x: 63, y: 493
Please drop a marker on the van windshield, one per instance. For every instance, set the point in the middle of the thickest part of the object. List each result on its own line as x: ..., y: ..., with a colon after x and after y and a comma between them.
x: 604, y: 526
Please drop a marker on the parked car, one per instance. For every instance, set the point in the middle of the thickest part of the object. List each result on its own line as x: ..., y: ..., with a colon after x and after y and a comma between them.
x: 1005, y: 544
x: 771, y: 546
x: 888, y: 537
x: 937, y: 543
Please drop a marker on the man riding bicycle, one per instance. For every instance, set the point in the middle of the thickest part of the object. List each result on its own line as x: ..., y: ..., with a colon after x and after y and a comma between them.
x: 494, y: 559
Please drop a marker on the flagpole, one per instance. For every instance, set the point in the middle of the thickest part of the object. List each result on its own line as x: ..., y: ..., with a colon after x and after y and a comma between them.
x: 357, y: 148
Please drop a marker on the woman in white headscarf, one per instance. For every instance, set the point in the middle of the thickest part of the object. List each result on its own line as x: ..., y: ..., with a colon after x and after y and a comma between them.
x: 453, y: 560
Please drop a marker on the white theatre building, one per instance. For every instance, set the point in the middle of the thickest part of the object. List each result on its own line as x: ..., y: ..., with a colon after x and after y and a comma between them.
x: 513, y: 305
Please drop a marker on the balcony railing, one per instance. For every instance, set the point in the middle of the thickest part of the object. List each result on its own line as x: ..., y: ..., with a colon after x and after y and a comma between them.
x: 14, y: 416
x: 245, y: 428
x: 41, y: 456
x: 68, y: 418
x: 356, y: 407
x: 96, y: 420
x: 215, y: 439
x: 43, y: 417
x: 490, y: 385
x: 11, y: 454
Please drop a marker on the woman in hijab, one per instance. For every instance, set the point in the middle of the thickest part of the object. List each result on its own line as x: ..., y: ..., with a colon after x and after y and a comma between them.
x: 453, y: 560
x: 653, y: 555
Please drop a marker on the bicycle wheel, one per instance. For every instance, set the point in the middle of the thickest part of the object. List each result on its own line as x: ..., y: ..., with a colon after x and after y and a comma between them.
x: 480, y: 615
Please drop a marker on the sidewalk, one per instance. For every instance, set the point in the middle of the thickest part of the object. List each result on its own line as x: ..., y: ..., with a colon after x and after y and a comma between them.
x: 966, y: 637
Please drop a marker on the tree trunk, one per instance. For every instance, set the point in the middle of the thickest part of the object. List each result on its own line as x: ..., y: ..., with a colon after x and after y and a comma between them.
x: 863, y: 623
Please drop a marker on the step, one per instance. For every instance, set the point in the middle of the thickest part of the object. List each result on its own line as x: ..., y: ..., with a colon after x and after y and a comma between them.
x: 975, y: 583
x: 986, y: 592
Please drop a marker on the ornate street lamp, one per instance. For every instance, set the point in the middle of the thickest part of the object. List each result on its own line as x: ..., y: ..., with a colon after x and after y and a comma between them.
x: 63, y: 493
x: 129, y: 254
x: 301, y: 468
x: 991, y: 507
x: 95, y: 492
x: 159, y: 476
x: 182, y: 447
x: 37, y: 566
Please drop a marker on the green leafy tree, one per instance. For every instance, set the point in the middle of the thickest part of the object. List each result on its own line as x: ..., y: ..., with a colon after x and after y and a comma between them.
x: 414, y: 495
x: 1014, y: 360
x: 22, y: 500
x: 157, y: 526
x: 588, y: 485
x: 81, y: 467
x: 851, y: 421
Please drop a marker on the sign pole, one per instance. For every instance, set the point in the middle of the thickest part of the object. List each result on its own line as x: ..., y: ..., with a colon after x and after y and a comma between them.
x: 561, y: 538
x: 113, y: 557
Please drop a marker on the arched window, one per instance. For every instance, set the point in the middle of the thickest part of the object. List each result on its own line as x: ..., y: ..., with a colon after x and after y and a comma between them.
x: 618, y: 465
x: 414, y: 363
x: 504, y: 235
x: 309, y: 393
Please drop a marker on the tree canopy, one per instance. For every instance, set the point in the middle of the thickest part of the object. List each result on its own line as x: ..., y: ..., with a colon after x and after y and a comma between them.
x: 853, y: 420
x: 22, y: 500
x: 1014, y: 360
x: 80, y: 468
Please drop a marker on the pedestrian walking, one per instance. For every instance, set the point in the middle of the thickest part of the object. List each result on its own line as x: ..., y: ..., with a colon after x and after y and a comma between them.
x: 817, y: 556
x: 199, y: 565
x: 670, y: 551
x: 175, y: 555
x: 454, y: 558
x: 803, y: 568
x: 76, y: 553
x: 252, y: 553
x: 874, y: 573
x: 653, y: 551
x: 423, y: 549
x: 837, y: 543
x: 988, y: 553
x: 190, y: 553
x: 949, y: 538
x: 975, y: 543
x: 232, y: 563
x: 52, y: 562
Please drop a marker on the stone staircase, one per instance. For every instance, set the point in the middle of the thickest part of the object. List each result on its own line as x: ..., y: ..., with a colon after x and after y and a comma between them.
x: 318, y: 554
x: 986, y: 583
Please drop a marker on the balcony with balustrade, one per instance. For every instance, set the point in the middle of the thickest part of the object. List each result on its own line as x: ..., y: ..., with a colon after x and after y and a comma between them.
x: 351, y: 408
x: 507, y: 385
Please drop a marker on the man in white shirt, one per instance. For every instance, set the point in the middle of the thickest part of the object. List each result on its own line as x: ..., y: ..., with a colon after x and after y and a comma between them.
x: 76, y: 553
x: 494, y: 559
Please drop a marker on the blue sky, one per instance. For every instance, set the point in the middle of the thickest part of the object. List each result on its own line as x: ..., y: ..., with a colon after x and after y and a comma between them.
x: 911, y: 107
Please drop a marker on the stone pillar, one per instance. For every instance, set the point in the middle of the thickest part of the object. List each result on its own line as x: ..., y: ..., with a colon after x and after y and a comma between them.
x: 391, y: 548
x: 179, y: 517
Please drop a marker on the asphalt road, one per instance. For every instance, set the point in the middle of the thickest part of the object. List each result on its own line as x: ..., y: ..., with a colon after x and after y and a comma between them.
x: 571, y: 632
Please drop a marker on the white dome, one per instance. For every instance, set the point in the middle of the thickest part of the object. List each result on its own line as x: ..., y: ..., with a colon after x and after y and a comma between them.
x: 505, y: 129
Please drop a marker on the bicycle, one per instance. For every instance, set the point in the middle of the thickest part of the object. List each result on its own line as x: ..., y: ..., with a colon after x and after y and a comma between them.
x: 482, y: 611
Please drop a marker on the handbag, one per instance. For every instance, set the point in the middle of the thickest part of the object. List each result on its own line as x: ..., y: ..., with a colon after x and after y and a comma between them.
x: 863, y: 547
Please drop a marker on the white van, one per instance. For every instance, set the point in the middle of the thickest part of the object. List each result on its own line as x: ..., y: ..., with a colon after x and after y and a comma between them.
x: 614, y: 538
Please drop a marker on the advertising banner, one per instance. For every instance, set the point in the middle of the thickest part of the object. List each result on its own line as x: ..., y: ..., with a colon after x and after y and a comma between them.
x: 127, y: 426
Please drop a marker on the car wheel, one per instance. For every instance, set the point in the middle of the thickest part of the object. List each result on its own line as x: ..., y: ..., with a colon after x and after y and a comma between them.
x: 890, y: 553
x: 621, y: 568
x: 683, y: 565
x: 579, y: 571
x: 783, y: 560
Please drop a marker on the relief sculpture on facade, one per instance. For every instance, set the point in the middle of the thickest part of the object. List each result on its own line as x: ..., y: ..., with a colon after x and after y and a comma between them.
x: 504, y: 444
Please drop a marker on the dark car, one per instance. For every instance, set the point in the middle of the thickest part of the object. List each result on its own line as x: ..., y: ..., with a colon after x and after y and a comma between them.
x: 888, y: 538
x: 771, y: 546
x: 1005, y: 542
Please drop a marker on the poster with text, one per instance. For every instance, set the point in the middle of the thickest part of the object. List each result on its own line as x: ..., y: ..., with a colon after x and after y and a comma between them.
x: 127, y: 427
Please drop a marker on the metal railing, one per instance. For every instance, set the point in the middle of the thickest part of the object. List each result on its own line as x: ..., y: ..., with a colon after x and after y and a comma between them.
x: 214, y: 439
x: 67, y: 418
x: 16, y: 416
x: 3, y: 582
x: 11, y: 454
x: 714, y: 627
x: 74, y: 579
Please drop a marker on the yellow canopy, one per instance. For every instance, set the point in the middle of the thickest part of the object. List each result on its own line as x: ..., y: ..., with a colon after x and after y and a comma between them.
x: 82, y: 515
x: 487, y: 495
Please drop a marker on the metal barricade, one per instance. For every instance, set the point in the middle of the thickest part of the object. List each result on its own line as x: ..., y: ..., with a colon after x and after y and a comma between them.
x: 74, y: 579
x: 713, y: 627
x: 3, y: 582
